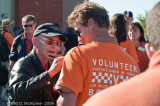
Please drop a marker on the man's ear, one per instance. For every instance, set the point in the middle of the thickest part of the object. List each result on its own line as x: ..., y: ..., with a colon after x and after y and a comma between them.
x: 149, y: 50
x: 91, y: 22
x: 34, y: 41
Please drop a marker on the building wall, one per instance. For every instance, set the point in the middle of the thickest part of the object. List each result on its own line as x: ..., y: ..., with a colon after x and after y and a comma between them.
x: 68, y: 7
x: 6, y: 8
x: 44, y: 11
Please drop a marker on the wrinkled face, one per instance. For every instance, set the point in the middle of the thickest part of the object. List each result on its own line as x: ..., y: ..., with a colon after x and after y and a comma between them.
x: 29, y: 27
x: 134, y: 33
x: 47, y: 46
x: 84, y: 33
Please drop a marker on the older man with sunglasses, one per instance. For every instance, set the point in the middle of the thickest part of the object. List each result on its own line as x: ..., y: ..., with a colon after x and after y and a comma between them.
x: 33, y: 77
x: 22, y: 45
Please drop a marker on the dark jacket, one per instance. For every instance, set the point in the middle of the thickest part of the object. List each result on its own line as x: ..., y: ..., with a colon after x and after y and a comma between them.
x: 18, y: 48
x: 28, y: 81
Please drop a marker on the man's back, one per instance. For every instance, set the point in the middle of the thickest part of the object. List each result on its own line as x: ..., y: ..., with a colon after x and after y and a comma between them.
x: 96, y: 66
x: 8, y: 38
x: 142, y: 90
x: 4, y: 47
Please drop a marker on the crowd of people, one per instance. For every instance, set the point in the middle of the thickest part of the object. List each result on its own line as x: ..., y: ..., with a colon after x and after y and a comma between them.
x: 48, y: 67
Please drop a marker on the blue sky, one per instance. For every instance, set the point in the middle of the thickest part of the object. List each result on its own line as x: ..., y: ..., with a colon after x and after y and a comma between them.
x: 119, y: 6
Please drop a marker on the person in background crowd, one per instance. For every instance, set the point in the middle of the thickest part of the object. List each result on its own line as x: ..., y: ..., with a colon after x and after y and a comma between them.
x: 56, y: 27
x: 22, y: 44
x: 136, y: 35
x: 129, y: 18
x: 118, y: 29
x: 21, y: 31
x: 6, y: 28
x: 32, y: 76
x: 72, y: 38
x: 142, y: 90
x: 16, y: 31
x: 90, y: 68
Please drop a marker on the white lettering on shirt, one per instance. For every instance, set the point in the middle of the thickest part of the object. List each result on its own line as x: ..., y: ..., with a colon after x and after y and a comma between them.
x: 114, y: 65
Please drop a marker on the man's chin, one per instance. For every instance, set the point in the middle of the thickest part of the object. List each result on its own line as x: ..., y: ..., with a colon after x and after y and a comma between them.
x: 50, y: 59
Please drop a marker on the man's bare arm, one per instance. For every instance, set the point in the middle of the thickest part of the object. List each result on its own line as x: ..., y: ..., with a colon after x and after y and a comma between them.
x: 67, y: 99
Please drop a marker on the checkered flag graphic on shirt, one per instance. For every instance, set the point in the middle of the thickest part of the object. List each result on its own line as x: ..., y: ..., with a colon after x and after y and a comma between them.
x: 99, y: 77
x: 106, y: 78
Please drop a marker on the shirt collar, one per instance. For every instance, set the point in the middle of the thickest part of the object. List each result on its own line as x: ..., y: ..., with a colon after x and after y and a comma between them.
x: 45, y: 66
x: 107, y: 39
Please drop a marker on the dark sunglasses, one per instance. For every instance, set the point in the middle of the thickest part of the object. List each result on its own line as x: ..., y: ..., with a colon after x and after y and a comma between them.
x: 77, y: 31
x: 31, y: 25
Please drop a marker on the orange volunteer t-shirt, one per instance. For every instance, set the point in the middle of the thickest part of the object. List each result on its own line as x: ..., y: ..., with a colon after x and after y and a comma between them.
x: 88, y: 69
x: 128, y: 46
x: 142, y: 90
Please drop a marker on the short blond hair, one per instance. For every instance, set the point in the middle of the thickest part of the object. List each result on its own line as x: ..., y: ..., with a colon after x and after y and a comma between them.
x: 87, y: 10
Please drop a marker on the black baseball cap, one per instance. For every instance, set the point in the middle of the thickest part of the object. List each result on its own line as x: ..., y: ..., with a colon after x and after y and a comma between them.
x: 128, y: 13
x: 47, y: 29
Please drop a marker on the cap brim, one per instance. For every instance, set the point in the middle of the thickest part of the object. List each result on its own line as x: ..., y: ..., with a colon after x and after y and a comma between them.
x: 62, y: 37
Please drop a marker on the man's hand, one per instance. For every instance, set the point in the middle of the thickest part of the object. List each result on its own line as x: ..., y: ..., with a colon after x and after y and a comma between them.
x: 56, y: 66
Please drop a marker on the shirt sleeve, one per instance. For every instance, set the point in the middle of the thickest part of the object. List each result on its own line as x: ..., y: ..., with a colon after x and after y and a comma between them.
x: 132, y: 51
x: 72, y: 75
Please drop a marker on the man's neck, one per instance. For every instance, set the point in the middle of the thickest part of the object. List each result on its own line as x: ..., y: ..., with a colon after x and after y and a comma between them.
x: 6, y: 29
x: 29, y: 36
x: 41, y: 58
x: 102, y: 35
x: 102, y: 32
